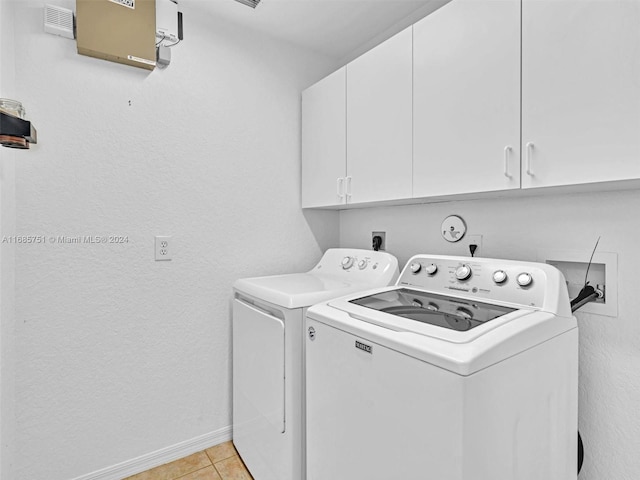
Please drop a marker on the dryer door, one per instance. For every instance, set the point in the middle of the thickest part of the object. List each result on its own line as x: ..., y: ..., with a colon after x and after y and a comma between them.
x: 258, y: 372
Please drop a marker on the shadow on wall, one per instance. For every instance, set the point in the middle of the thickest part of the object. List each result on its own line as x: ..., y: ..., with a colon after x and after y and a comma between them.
x: 325, y: 227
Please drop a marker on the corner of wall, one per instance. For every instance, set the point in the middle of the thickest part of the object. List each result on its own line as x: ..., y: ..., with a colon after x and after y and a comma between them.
x: 417, y: 15
x: 7, y: 257
x: 325, y: 226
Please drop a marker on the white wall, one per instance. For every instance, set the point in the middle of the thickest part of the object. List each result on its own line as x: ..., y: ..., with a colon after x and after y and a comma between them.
x: 524, y: 228
x: 7, y: 254
x: 118, y: 355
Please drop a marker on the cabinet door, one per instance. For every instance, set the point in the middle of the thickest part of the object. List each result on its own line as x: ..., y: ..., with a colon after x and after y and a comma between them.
x: 379, y: 104
x: 324, y: 141
x: 580, y: 91
x: 467, y: 98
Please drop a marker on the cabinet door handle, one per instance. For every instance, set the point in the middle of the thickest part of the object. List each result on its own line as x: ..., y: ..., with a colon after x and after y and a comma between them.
x: 348, y: 187
x: 507, y: 153
x: 340, y: 187
x: 529, y: 148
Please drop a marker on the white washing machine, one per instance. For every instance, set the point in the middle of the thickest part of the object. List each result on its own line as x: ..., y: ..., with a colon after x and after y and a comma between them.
x: 467, y: 369
x: 268, y: 354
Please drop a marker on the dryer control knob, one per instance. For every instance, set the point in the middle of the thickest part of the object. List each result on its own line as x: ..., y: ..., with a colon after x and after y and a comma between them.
x: 499, y: 276
x: 431, y: 269
x: 347, y: 262
x: 463, y: 272
x: 362, y: 264
x: 525, y: 279
x: 415, y: 267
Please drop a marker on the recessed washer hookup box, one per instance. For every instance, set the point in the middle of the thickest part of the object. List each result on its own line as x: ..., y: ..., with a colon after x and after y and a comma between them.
x: 121, y: 31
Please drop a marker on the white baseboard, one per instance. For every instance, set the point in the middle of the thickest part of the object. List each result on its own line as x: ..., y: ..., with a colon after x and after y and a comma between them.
x: 159, y: 457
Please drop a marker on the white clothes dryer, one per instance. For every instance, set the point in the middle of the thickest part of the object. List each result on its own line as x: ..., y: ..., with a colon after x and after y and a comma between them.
x: 467, y: 369
x: 268, y: 354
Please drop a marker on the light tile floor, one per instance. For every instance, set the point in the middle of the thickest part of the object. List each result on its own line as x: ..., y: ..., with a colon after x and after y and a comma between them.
x: 220, y: 462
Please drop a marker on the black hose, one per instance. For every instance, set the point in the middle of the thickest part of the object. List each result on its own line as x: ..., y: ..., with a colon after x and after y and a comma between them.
x: 586, y: 295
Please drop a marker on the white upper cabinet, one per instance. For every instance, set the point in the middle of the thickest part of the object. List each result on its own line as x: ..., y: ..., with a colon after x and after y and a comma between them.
x: 324, y: 142
x: 580, y: 91
x: 379, y: 120
x: 480, y: 96
x: 466, y: 131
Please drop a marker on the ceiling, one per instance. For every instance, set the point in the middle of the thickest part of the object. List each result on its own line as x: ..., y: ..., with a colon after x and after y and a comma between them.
x: 331, y: 27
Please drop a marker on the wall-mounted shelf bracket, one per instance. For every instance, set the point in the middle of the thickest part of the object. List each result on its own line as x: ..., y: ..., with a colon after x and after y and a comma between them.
x: 16, y: 132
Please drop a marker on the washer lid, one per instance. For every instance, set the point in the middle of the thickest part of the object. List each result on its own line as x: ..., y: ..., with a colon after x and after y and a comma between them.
x: 298, y: 290
x: 461, y: 352
x: 429, y: 308
x: 473, y: 320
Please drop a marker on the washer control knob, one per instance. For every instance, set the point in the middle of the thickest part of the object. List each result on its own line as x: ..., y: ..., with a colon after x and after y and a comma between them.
x: 499, y: 276
x: 525, y: 279
x: 347, y: 262
x: 362, y: 264
x: 415, y: 267
x: 463, y: 272
x: 431, y: 269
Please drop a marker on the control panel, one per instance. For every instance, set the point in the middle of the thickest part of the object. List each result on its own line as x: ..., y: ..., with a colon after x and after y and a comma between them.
x: 354, y: 263
x: 522, y: 283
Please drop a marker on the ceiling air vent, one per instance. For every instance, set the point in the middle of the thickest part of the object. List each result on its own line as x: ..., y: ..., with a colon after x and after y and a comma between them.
x: 251, y: 3
x: 58, y: 21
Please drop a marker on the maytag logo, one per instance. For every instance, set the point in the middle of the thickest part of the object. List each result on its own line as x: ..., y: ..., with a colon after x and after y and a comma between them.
x: 364, y: 347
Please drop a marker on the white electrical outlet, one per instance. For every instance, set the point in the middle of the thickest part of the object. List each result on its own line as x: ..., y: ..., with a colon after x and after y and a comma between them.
x: 383, y: 238
x: 164, y: 248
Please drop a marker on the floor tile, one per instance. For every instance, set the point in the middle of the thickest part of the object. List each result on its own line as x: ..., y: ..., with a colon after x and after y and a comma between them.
x: 221, y: 452
x: 232, y: 469
x: 206, y: 473
x: 173, y: 470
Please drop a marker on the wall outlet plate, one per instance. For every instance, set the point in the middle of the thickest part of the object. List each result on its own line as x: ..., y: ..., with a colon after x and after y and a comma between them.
x: 473, y: 240
x: 163, y: 248
x: 383, y: 235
